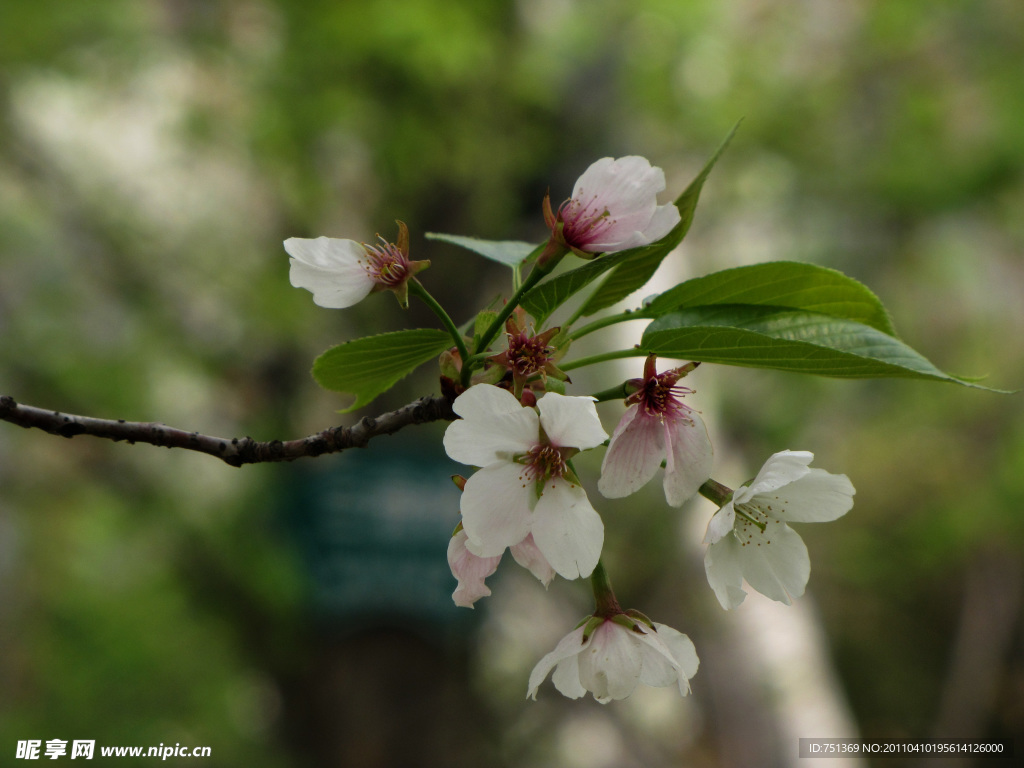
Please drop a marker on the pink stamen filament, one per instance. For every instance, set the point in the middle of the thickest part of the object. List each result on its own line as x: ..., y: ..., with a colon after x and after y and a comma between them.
x: 386, y: 264
x: 584, y: 223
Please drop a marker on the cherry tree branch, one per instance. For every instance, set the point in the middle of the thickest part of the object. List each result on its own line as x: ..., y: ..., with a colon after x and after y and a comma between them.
x: 234, y: 451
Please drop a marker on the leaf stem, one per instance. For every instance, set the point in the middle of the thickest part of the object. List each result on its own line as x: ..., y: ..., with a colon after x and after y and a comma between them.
x: 416, y: 287
x: 603, y: 357
x: 604, y: 322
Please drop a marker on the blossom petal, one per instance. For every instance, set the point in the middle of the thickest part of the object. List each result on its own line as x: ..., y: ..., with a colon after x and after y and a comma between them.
x: 776, y: 563
x: 634, y: 454
x: 623, y: 193
x: 689, y: 458
x: 683, y: 651
x: 496, y: 508
x: 610, y: 667
x: 781, y: 469
x: 817, y: 497
x: 724, y: 569
x: 567, y: 530
x: 494, y: 427
x: 568, y: 647
x: 658, y: 666
x: 721, y: 524
x: 331, y: 269
x: 571, y: 421
x: 530, y: 557
x: 470, y: 571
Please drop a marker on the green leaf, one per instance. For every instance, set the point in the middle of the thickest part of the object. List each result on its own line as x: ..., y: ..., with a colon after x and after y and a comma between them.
x: 637, y: 264
x: 511, y: 253
x: 369, y: 366
x: 787, y: 340
x: 780, y: 284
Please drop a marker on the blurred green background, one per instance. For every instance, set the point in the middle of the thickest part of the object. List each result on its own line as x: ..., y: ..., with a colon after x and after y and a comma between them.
x: 155, y: 153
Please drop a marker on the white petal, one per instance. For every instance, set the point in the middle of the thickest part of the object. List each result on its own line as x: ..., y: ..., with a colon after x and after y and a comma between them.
x: 567, y: 648
x: 690, y: 458
x: 776, y: 563
x: 470, y: 571
x: 567, y: 530
x: 329, y: 268
x: 494, y: 426
x: 724, y: 569
x: 566, y: 677
x: 634, y: 454
x: 721, y: 524
x: 658, y: 666
x: 610, y: 667
x: 683, y: 651
x: 781, y: 469
x: 817, y: 497
x: 496, y: 508
x: 662, y: 222
x: 571, y: 421
x: 530, y: 557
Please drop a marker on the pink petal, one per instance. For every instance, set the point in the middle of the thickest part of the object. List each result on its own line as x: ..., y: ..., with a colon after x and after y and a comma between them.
x: 528, y: 555
x: 634, y: 454
x: 689, y: 457
x: 469, y: 570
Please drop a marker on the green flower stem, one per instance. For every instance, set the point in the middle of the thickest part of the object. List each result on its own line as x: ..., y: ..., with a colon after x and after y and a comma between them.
x: 617, y: 392
x: 594, y: 359
x: 416, y: 287
x: 604, y: 597
x: 716, y: 492
x: 535, y: 276
x: 604, y: 322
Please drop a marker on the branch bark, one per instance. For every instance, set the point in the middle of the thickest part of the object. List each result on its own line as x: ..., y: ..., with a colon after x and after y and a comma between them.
x: 234, y: 451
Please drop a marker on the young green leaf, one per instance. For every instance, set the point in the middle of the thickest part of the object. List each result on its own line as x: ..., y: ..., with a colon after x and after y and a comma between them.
x: 788, y: 284
x: 369, y: 366
x: 787, y: 340
x: 511, y: 253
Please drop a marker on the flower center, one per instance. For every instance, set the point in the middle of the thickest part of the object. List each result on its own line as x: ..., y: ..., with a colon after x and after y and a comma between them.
x: 386, y: 264
x: 660, y: 396
x: 752, y: 521
x: 543, y: 462
x: 527, y: 354
x: 584, y: 223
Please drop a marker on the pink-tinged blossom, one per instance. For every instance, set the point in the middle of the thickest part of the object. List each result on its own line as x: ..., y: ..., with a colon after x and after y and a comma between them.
x: 471, y: 571
x: 613, y: 207
x: 610, y: 657
x: 657, y: 427
x: 749, y: 537
x: 341, y: 273
x: 524, y: 484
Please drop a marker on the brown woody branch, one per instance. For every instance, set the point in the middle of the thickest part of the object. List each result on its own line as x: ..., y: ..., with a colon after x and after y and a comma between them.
x: 234, y: 451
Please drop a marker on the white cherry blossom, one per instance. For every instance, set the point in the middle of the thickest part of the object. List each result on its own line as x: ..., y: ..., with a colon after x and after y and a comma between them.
x: 749, y: 537
x: 524, y: 484
x: 613, y: 207
x: 341, y: 273
x: 612, y: 658
x: 657, y: 427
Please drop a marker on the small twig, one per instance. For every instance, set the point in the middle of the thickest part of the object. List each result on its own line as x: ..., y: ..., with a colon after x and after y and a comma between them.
x: 234, y: 451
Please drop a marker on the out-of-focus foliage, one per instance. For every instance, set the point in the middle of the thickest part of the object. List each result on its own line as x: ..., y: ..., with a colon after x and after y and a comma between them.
x: 153, y: 156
